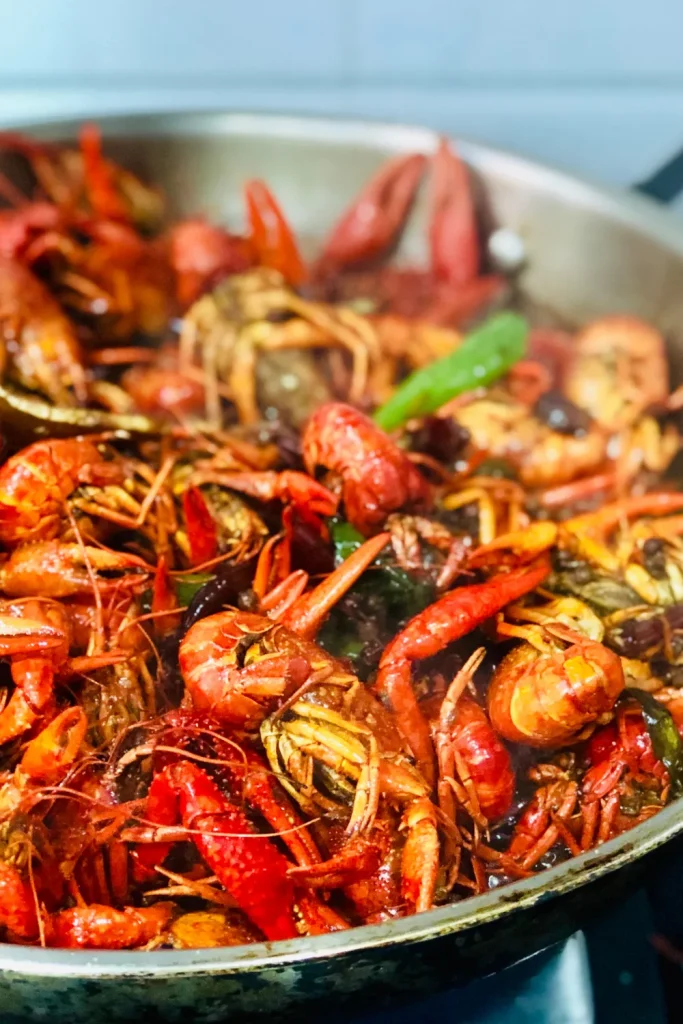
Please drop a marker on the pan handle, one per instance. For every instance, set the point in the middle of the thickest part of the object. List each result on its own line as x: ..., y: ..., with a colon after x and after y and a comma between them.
x: 666, y: 183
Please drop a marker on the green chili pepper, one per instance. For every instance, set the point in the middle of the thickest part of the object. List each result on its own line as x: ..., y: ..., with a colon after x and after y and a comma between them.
x: 345, y: 538
x: 666, y: 741
x: 186, y: 586
x: 485, y: 354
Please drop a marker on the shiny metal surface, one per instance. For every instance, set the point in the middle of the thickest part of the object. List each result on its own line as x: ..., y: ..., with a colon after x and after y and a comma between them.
x: 589, y: 252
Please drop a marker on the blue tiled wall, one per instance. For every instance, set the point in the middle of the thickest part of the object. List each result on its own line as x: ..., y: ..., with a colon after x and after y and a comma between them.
x: 592, y: 85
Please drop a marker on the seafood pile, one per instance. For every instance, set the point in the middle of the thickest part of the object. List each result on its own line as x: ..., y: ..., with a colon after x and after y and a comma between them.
x: 330, y: 591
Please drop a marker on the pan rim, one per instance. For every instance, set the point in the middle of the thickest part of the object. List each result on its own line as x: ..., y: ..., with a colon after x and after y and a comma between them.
x: 451, y: 919
x: 629, y: 208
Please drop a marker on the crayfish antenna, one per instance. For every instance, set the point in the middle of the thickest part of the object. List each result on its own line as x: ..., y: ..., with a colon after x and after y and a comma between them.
x: 307, y: 615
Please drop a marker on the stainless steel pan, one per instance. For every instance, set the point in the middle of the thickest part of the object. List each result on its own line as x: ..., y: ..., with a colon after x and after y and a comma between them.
x: 590, y: 252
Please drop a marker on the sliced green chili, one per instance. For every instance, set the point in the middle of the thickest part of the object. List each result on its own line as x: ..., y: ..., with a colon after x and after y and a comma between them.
x: 485, y: 354
x: 345, y: 538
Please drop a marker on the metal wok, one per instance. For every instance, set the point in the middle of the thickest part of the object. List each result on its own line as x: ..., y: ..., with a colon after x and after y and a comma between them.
x: 590, y: 252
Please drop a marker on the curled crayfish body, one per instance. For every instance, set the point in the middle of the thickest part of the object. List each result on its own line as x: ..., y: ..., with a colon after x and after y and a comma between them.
x: 546, y: 698
x: 377, y: 477
x: 35, y: 483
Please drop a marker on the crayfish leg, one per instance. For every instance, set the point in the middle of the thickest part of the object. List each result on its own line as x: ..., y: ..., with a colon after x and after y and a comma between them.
x: 307, y: 614
x: 394, y: 684
x: 421, y: 855
x: 264, y: 793
x: 357, y: 861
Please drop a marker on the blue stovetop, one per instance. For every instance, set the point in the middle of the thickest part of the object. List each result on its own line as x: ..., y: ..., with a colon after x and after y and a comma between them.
x: 607, y: 974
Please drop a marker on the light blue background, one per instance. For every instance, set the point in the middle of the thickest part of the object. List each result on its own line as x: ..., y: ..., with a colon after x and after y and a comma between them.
x: 592, y: 85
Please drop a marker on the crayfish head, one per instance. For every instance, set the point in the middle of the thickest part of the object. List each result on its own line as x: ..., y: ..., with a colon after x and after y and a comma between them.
x: 318, y: 756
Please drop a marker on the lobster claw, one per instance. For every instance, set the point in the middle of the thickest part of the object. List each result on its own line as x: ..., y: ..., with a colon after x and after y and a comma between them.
x: 271, y: 237
x: 247, y: 864
x: 372, y: 222
x: 453, y: 237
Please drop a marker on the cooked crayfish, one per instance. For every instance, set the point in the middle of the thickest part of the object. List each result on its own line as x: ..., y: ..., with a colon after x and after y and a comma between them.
x: 35, y: 635
x: 625, y: 782
x: 36, y: 483
x: 252, y: 642
x: 508, y: 429
x: 40, y: 348
x: 474, y: 766
x: 618, y: 370
x: 545, y: 818
x: 451, y: 617
x: 377, y: 477
x: 646, y: 553
x: 549, y: 689
x: 86, y: 927
x: 82, y: 183
x: 240, y: 665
